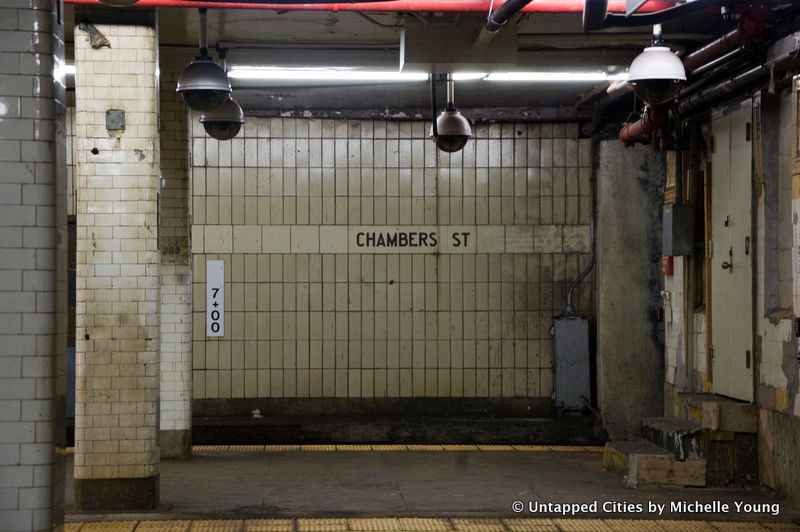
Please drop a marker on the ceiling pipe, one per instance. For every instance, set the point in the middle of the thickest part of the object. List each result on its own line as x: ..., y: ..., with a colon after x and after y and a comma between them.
x: 738, y: 81
x: 434, y: 131
x: 645, y: 129
x: 750, y: 25
x: 718, y: 61
x: 497, y: 20
x: 724, y: 87
x: 390, y: 6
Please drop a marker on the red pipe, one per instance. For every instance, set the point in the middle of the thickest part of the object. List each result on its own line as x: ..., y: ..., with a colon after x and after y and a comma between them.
x: 752, y: 22
x: 463, y: 6
x: 646, y: 128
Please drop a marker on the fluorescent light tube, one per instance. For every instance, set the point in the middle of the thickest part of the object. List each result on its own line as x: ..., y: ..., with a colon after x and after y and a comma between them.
x: 468, y: 76
x: 322, y: 74
x: 557, y: 77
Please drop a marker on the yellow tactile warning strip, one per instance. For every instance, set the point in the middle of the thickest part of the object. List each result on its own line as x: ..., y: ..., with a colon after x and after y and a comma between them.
x: 422, y: 524
x: 164, y: 526
x: 389, y: 447
x: 209, y: 449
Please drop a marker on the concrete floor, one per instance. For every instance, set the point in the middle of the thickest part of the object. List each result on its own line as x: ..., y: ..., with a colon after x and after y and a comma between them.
x: 414, y: 484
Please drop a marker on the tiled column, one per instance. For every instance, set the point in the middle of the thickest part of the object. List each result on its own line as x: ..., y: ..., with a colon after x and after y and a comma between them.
x: 32, y: 265
x: 176, y: 275
x: 118, y: 285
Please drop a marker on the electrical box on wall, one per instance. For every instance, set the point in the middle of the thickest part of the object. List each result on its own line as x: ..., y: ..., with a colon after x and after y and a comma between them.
x: 572, y: 360
x: 678, y: 230
x: 115, y: 120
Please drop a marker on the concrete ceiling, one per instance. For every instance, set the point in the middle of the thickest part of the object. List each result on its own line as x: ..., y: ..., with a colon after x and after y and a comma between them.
x: 307, y: 38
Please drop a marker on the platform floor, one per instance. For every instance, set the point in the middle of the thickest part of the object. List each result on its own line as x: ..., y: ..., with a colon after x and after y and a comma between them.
x: 470, y: 489
x: 427, y: 525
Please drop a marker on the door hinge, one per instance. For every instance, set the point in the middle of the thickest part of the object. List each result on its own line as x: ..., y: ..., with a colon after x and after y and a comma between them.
x: 711, y: 352
x: 748, y: 132
x: 747, y: 359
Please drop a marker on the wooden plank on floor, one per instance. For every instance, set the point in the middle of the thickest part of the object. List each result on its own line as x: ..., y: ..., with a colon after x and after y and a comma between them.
x: 664, y: 471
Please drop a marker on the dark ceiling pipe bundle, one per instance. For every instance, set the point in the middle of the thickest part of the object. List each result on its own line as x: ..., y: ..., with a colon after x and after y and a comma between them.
x: 722, y: 88
x: 743, y: 79
x: 750, y: 25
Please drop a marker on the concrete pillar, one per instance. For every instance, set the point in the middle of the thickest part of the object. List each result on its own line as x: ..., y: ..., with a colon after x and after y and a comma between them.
x: 118, y: 285
x: 32, y: 265
x: 176, y: 275
x: 630, y: 347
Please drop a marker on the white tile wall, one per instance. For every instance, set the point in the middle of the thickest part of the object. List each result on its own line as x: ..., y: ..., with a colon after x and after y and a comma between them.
x: 310, y: 315
x: 173, y: 233
x: 32, y: 268
x: 118, y: 284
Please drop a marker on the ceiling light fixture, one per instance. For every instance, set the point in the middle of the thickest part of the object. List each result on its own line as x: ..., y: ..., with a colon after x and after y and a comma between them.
x: 225, y: 122
x: 450, y: 130
x: 657, y: 74
x: 556, y: 77
x: 320, y: 74
x: 273, y: 73
x: 203, y: 84
x: 468, y: 76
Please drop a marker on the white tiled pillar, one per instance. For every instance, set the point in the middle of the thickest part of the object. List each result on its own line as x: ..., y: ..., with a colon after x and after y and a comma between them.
x: 176, y: 274
x: 118, y: 261
x: 32, y: 265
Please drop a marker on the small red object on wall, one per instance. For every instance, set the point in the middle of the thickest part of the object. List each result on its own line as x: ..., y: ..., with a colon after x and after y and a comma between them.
x: 666, y: 265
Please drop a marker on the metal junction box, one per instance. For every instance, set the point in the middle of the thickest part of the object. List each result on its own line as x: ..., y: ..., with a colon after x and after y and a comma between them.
x: 678, y: 230
x: 571, y: 351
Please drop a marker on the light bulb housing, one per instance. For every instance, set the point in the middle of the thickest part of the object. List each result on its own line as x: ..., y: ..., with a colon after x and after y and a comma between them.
x: 225, y: 122
x: 453, y: 130
x: 203, y: 84
x: 657, y: 75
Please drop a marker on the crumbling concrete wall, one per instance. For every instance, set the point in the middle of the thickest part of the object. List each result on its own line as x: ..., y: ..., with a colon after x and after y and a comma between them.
x: 778, y: 296
x: 629, y: 336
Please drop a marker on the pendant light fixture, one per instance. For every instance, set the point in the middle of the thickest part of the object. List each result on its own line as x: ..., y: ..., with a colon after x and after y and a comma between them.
x: 451, y: 130
x: 226, y: 121
x: 657, y: 74
x: 203, y: 84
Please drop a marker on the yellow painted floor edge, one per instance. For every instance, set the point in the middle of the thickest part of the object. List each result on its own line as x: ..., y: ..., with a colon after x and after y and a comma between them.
x: 383, y: 448
x: 417, y: 524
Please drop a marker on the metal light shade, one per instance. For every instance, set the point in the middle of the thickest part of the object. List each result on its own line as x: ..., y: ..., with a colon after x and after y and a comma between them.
x: 453, y: 131
x: 204, y: 85
x: 657, y: 74
x: 225, y: 122
x: 118, y: 3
